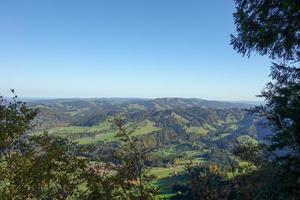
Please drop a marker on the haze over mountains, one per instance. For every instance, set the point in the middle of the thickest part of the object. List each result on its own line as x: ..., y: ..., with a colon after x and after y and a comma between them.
x: 179, y: 116
x: 73, y: 109
x: 149, y: 103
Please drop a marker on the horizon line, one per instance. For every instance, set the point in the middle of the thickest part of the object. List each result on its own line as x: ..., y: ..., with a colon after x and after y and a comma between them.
x: 124, y: 97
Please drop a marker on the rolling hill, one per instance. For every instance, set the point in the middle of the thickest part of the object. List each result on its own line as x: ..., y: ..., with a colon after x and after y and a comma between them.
x: 178, y: 128
x: 168, y: 120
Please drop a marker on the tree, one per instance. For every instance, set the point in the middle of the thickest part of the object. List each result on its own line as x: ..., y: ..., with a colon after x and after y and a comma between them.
x: 50, y: 167
x: 34, y: 167
x: 273, y: 28
x: 131, y: 171
x: 15, y: 117
x: 204, y: 181
x: 268, y: 27
x: 101, y: 183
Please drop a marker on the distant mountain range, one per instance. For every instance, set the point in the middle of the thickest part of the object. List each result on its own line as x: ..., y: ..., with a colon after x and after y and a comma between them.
x: 158, y: 103
x: 176, y: 128
x: 73, y: 111
x: 176, y: 116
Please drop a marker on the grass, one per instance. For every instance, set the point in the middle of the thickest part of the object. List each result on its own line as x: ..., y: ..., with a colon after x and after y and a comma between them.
x: 179, y: 119
x: 85, y: 140
x: 166, y: 179
x: 197, y: 130
x: 247, y: 139
x: 200, y: 130
x: 220, y: 136
x: 99, y: 132
x: 209, y: 127
x: 107, y: 137
x: 145, y: 127
x: 75, y: 130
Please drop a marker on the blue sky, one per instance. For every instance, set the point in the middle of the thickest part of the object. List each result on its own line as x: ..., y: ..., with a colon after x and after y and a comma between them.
x: 132, y: 48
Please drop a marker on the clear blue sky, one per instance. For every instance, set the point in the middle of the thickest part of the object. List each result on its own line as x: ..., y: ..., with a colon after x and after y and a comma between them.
x: 118, y: 48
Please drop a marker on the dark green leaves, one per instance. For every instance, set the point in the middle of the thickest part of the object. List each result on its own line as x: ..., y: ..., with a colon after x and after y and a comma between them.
x: 268, y: 27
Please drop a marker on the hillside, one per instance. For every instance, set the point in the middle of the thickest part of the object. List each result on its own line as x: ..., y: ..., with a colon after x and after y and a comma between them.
x: 84, y: 112
x: 178, y: 128
x: 169, y: 119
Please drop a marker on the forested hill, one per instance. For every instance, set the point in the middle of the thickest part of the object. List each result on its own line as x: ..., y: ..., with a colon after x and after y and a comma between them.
x: 135, y: 103
x: 177, y: 129
x: 87, y: 112
x: 171, y: 119
x: 76, y: 106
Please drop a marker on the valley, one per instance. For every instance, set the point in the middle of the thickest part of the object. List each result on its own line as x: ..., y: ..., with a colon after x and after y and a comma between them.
x: 180, y: 130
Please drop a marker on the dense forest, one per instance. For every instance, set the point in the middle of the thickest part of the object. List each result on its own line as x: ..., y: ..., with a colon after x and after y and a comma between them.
x: 168, y: 148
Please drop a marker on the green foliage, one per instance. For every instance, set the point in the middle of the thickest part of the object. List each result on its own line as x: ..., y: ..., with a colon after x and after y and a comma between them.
x: 15, y: 118
x: 36, y: 167
x: 259, y: 171
x: 268, y: 27
x: 197, y: 130
x: 101, y: 183
x: 204, y: 182
x: 122, y: 156
x: 283, y: 97
x: 131, y: 171
x: 272, y: 28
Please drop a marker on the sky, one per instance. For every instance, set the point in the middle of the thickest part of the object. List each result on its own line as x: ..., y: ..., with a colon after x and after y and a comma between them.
x: 118, y: 48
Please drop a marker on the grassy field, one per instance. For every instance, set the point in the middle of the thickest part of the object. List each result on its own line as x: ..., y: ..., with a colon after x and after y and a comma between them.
x: 197, y: 130
x: 166, y: 177
x: 144, y: 127
x: 76, y: 130
x: 100, y: 132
